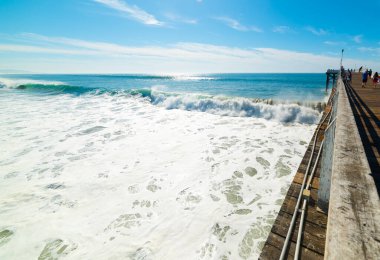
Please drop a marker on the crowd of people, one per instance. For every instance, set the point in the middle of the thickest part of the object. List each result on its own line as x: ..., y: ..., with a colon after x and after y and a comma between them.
x: 367, y: 75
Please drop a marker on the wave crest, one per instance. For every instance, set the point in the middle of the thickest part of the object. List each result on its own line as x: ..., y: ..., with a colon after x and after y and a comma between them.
x: 238, y: 107
x: 15, y: 83
x: 307, y: 113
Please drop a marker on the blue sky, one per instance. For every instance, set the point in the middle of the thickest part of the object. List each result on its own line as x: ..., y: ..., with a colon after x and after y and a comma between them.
x: 187, y: 36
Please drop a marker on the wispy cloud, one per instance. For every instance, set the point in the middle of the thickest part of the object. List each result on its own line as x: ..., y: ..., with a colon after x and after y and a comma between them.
x: 184, y: 57
x: 236, y: 25
x: 65, y: 46
x: 375, y: 51
x: 43, y: 49
x: 282, y: 29
x: 132, y: 11
x: 366, y: 49
x: 315, y: 31
x: 331, y: 53
x: 357, y: 38
x: 334, y: 43
x: 177, y: 18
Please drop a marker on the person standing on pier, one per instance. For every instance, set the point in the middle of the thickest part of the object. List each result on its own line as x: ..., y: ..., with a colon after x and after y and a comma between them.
x: 375, y: 79
x: 370, y: 73
x: 364, y: 78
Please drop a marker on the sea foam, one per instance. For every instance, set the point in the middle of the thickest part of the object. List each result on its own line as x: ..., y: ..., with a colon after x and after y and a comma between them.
x: 14, y: 83
x: 281, y: 111
x: 109, y: 177
x: 238, y: 107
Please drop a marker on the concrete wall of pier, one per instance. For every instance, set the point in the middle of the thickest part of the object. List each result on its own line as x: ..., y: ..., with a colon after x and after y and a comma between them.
x: 353, y: 228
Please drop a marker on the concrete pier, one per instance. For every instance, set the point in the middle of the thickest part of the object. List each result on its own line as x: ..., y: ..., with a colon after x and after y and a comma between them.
x: 353, y: 230
x: 345, y: 184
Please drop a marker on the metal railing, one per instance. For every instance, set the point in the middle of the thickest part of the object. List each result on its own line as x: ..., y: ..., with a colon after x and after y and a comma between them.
x: 305, y: 187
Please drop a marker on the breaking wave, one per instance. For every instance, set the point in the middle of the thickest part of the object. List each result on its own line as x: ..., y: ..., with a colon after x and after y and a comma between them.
x: 286, y: 112
x: 239, y: 107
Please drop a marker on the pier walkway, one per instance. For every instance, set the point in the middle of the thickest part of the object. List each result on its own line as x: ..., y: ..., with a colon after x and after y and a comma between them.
x: 314, y: 230
x: 365, y: 104
x: 349, y: 227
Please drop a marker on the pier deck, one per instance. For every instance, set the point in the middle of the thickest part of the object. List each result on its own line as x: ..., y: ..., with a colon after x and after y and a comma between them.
x: 352, y: 229
x: 314, y: 232
x: 365, y: 104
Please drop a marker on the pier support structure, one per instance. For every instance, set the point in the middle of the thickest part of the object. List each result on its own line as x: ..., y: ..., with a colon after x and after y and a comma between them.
x: 331, y: 75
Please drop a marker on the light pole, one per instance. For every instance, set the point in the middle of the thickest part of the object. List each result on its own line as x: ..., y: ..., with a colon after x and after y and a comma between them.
x: 341, y: 59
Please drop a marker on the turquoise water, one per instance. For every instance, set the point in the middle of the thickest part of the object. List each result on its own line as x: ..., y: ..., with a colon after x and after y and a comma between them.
x: 149, y: 167
x: 282, y: 97
x: 291, y: 87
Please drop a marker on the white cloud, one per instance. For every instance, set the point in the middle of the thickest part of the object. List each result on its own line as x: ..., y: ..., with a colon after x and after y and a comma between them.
x: 357, y: 38
x: 282, y: 29
x: 133, y: 11
x: 333, y: 43
x: 178, y: 18
x: 331, y: 53
x: 234, y: 24
x: 365, y: 49
x: 66, y: 55
x: 317, y: 32
x: 190, y: 21
x: 38, y: 49
x: 375, y: 51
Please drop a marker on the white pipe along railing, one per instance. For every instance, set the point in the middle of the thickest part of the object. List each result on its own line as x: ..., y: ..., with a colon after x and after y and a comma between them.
x: 304, y: 192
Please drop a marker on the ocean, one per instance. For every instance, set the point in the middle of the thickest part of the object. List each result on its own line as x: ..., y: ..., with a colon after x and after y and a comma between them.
x: 149, y: 166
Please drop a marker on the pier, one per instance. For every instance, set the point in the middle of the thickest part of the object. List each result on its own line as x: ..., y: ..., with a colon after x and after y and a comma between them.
x: 332, y: 207
x: 331, y: 76
x: 365, y: 103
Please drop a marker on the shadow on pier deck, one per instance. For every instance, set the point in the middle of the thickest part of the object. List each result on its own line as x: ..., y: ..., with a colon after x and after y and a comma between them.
x: 365, y: 104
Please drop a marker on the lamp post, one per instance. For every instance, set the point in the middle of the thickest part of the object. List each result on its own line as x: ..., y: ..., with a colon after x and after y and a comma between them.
x: 341, y: 59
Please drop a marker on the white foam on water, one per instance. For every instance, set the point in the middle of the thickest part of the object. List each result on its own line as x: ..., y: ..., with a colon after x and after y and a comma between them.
x: 109, y: 177
x: 237, y: 107
x: 14, y: 83
x: 192, y: 77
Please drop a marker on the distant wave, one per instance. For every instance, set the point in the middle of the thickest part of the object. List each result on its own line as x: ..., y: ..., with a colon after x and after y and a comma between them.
x: 195, y: 78
x: 14, y: 83
x: 158, y: 77
x: 238, y: 107
x: 286, y: 112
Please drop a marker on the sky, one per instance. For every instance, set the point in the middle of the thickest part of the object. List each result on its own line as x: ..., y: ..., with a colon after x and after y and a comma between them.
x: 187, y: 36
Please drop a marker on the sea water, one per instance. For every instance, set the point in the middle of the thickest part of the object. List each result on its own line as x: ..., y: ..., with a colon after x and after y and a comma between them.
x: 146, y: 166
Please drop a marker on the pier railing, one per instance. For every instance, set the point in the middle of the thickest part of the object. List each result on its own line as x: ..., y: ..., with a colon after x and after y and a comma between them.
x: 327, y: 158
x: 347, y: 191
